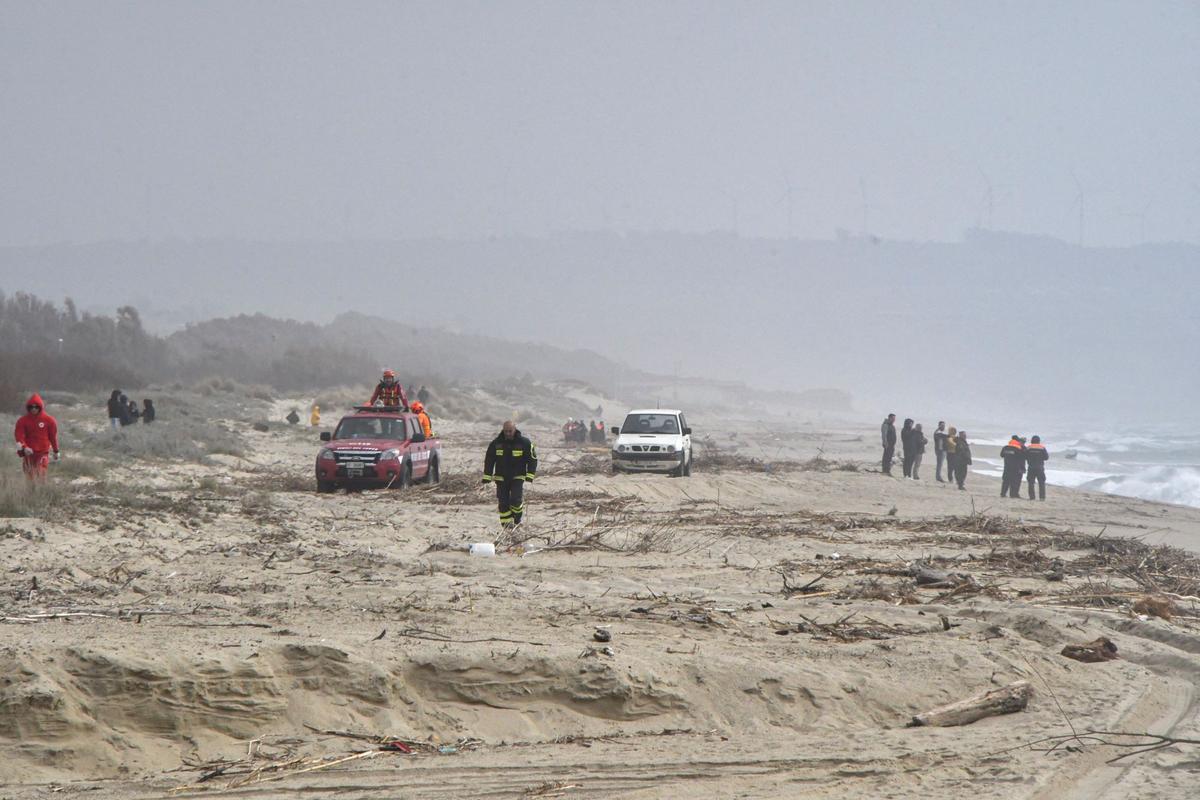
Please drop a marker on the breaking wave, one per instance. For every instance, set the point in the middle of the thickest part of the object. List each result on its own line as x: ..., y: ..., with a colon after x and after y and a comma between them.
x: 1179, y: 485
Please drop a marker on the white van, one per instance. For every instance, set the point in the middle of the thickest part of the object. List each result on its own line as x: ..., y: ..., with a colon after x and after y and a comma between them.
x: 653, y: 440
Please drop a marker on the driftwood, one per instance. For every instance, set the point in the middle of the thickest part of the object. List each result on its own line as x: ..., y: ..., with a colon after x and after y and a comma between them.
x: 1004, y: 700
x: 1101, y: 649
x: 931, y: 578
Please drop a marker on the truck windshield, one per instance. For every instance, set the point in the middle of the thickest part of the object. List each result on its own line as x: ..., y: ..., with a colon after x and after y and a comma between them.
x: 650, y: 424
x: 371, y: 428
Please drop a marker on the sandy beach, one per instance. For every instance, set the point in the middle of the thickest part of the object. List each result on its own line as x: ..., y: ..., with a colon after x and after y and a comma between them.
x: 216, y: 627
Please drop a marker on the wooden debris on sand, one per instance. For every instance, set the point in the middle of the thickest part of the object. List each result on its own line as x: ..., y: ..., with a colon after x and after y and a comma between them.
x: 1101, y: 649
x: 1005, y: 700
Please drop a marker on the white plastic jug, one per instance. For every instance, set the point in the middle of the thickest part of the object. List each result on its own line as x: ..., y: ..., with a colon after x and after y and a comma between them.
x: 484, y: 549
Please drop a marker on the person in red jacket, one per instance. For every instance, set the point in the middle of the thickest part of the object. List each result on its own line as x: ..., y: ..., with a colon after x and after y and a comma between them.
x: 37, y: 436
x: 389, y: 392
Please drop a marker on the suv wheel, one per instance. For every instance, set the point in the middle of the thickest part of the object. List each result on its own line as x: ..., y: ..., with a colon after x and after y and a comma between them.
x: 687, y: 465
x: 326, y: 487
x: 405, y: 479
x: 433, y: 475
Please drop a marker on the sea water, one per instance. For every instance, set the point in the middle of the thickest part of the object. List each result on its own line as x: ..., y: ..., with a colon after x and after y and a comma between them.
x: 1160, y: 465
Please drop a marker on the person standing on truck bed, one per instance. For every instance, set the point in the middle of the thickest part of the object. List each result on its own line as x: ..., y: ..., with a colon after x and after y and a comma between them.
x: 510, y: 462
x: 389, y: 392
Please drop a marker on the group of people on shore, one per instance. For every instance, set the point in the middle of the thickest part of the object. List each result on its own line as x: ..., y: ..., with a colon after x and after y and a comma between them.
x: 122, y: 411
x: 953, y: 451
x: 575, y: 432
x: 950, y: 445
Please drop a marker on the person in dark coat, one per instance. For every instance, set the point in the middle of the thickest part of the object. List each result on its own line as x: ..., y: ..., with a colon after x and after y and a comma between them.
x: 1036, y: 456
x: 134, y: 412
x: 1013, y: 454
x: 116, y: 411
x: 962, y: 459
x: 510, y: 462
x: 887, y: 432
x: 126, y: 419
x: 906, y: 447
x: 939, y: 450
x: 917, y: 441
x: 147, y: 411
x: 423, y: 395
x: 293, y: 418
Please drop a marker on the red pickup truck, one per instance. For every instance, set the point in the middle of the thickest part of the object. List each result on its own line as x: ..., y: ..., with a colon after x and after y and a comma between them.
x: 377, y: 446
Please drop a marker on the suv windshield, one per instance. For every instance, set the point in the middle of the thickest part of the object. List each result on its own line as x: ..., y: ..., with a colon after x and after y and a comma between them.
x: 371, y: 428
x: 650, y: 424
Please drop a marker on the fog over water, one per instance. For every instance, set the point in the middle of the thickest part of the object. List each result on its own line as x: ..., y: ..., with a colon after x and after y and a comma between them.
x: 943, y: 208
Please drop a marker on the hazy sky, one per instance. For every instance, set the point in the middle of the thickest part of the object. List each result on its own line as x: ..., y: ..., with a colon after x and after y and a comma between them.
x: 273, y: 120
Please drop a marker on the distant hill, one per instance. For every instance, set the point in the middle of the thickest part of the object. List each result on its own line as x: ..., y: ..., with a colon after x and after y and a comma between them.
x: 999, y: 325
x: 354, y: 347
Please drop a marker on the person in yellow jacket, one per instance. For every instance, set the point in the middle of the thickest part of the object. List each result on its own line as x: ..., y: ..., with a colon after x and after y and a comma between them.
x: 315, y: 418
x: 426, y: 426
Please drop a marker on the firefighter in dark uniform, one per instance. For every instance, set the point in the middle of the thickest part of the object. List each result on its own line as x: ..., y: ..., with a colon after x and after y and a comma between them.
x: 1013, y: 454
x: 510, y: 463
x: 1036, y: 456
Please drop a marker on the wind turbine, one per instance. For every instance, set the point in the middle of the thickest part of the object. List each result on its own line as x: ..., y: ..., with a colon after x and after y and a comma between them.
x: 988, y: 201
x: 1141, y: 218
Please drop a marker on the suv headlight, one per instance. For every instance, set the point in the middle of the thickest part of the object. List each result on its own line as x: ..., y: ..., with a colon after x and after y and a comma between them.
x: 670, y: 448
x: 327, y: 455
x: 389, y: 455
x: 620, y: 448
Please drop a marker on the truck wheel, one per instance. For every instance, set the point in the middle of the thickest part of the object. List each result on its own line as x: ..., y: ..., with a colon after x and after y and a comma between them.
x: 326, y: 487
x: 405, y: 479
x: 687, y: 466
x: 433, y: 475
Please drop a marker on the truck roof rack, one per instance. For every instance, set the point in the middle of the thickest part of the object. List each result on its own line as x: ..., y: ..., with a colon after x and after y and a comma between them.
x: 389, y: 409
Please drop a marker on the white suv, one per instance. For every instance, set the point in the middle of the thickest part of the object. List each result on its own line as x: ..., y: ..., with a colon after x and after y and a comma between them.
x: 653, y: 440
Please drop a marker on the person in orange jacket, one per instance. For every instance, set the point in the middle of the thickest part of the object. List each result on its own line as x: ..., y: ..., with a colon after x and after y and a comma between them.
x: 37, y: 435
x: 1013, y: 454
x: 418, y: 408
x: 1036, y: 456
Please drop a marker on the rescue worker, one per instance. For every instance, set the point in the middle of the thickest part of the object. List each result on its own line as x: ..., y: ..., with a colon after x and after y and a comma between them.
x: 314, y: 419
x: 939, y: 449
x: 1013, y: 454
x: 510, y: 463
x: 418, y: 408
x: 389, y: 392
x: 37, y: 435
x: 888, y: 432
x: 962, y: 459
x: 1036, y: 456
